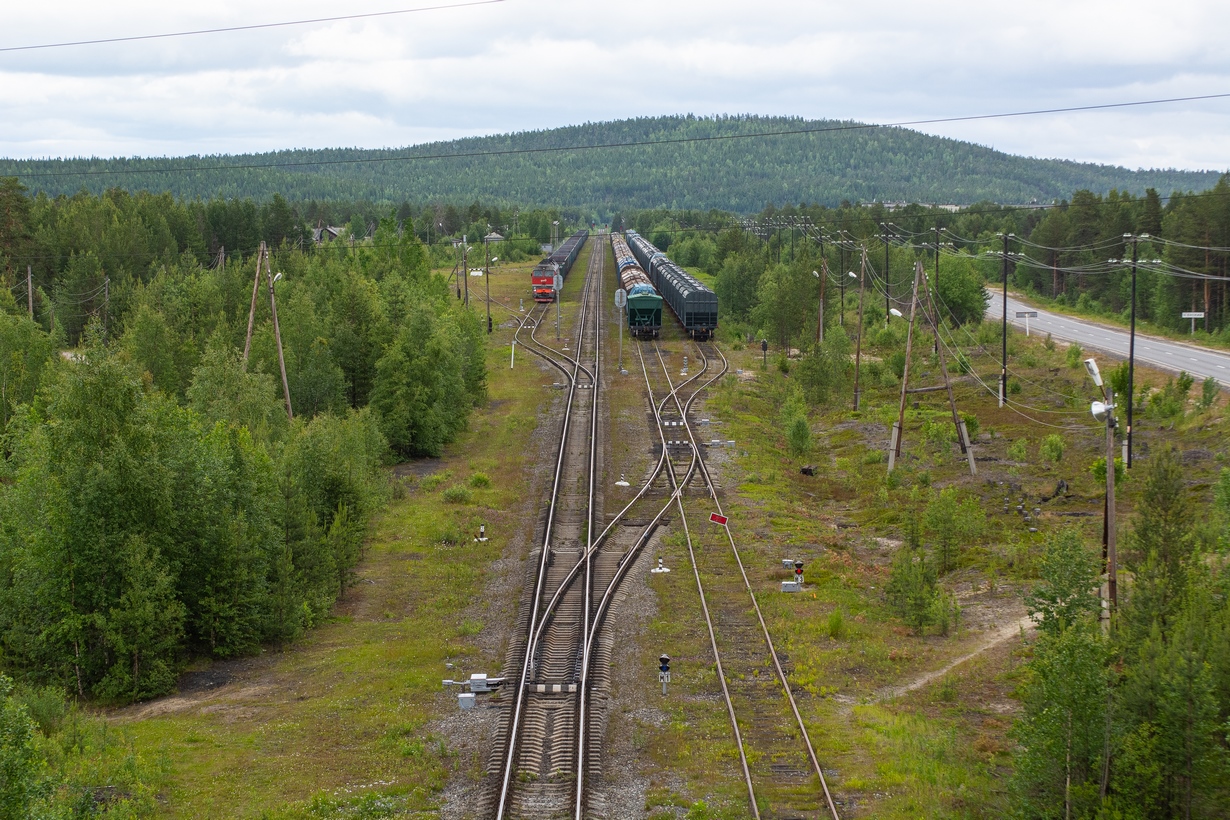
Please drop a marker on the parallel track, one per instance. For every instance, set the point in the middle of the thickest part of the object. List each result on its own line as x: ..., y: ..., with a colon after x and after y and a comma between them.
x: 763, y: 717
x: 551, y: 752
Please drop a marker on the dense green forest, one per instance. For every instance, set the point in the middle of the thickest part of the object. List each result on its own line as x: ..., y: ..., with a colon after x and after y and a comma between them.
x: 695, y: 164
x: 1133, y: 722
x: 156, y: 501
x: 1076, y: 253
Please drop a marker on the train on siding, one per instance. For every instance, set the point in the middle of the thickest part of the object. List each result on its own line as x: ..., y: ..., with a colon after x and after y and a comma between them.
x: 542, y: 278
x: 644, y: 301
x: 694, y: 304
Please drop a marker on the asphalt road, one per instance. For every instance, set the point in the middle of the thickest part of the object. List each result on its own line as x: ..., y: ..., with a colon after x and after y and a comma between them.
x: 1200, y: 362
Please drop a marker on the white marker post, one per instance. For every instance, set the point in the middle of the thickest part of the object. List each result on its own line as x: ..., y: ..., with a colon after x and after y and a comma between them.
x: 512, y: 359
x: 1027, y: 315
x: 1193, y: 315
x: 621, y: 299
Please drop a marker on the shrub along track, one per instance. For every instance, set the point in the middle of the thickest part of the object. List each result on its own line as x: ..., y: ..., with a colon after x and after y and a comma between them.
x: 777, y: 758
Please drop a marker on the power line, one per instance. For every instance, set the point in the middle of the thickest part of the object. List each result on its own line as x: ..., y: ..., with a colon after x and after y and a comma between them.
x: 252, y: 27
x: 627, y: 143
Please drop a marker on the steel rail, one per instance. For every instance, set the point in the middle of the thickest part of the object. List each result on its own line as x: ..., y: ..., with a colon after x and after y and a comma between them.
x: 700, y: 587
x: 599, y: 248
x: 781, y: 674
x: 541, y: 575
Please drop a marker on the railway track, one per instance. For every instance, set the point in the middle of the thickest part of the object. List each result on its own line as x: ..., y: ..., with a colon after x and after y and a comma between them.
x: 548, y: 755
x: 784, y: 773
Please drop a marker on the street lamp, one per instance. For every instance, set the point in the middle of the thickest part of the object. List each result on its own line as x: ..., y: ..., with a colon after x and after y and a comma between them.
x: 1105, y: 411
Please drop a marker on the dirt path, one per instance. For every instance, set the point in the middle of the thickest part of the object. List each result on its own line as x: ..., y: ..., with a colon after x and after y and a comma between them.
x: 993, y: 639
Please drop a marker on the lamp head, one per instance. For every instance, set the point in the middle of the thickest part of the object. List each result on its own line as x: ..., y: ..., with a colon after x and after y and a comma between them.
x: 1101, y: 410
x: 1091, y: 367
x: 851, y: 274
x: 277, y: 277
x: 816, y: 274
x: 895, y: 312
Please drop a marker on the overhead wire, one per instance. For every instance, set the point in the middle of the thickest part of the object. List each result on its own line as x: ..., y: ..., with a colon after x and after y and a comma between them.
x: 249, y: 27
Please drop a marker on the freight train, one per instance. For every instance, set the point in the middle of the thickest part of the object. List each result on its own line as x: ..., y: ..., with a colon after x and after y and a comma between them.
x: 560, y: 261
x: 644, y: 302
x: 694, y: 304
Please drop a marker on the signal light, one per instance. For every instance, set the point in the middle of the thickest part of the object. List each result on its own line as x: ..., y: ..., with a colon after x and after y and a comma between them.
x: 664, y: 663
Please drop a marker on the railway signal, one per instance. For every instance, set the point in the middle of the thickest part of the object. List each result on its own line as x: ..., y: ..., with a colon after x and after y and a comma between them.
x: 798, y: 572
x: 664, y: 671
x: 764, y: 348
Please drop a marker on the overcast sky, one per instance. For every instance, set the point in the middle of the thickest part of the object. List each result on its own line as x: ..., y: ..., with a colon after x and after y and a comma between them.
x: 532, y: 64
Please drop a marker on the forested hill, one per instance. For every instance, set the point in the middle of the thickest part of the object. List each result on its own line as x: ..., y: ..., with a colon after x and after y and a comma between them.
x: 741, y: 175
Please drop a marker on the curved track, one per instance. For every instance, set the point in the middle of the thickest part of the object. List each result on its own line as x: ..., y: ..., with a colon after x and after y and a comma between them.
x: 549, y: 749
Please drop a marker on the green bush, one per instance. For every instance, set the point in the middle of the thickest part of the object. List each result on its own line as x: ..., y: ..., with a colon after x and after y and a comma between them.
x: 1052, y: 448
x: 1075, y: 356
x: 912, y: 589
x: 836, y: 626
x: 1098, y: 469
x: 1016, y: 450
x: 480, y: 480
x: 457, y: 495
x: 971, y: 425
x: 798, y: 436
x: 1209, y: 389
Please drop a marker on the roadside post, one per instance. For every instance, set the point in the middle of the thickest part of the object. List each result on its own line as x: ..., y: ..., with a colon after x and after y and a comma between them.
x: 1193, y: 315
x: 1027, y: 315
x: 621, y: 299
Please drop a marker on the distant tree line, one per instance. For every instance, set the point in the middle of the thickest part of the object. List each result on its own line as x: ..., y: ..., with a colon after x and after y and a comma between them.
x: 695, y: 165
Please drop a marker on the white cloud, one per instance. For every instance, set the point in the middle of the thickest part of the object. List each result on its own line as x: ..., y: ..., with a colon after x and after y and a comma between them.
x: 529, y: 64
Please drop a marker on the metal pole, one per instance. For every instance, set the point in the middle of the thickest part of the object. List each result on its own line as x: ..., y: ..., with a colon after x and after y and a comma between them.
x: 887, y: 288
x: 1003, y: 372
x: 858, y: 349
x: 1112, y: 571
x: 621, y: 339
x: 1131, y: 395
x: 842, y: 256
x: 465, y: 268
x: 936, y: 349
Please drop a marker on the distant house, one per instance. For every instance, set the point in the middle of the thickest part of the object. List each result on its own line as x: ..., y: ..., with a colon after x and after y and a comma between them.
x: 327, y: 233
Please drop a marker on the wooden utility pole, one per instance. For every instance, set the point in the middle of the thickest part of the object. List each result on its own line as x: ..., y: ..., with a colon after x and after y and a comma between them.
x: 30, y: 289
x: 858, y: 349
x: 931, y: 316
x: 894, y: 448
x: 277, y: 336
x: 256, y: 283
x: 962, y: 431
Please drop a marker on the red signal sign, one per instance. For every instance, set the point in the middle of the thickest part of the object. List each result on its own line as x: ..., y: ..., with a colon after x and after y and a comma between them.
x: 717, y: 519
